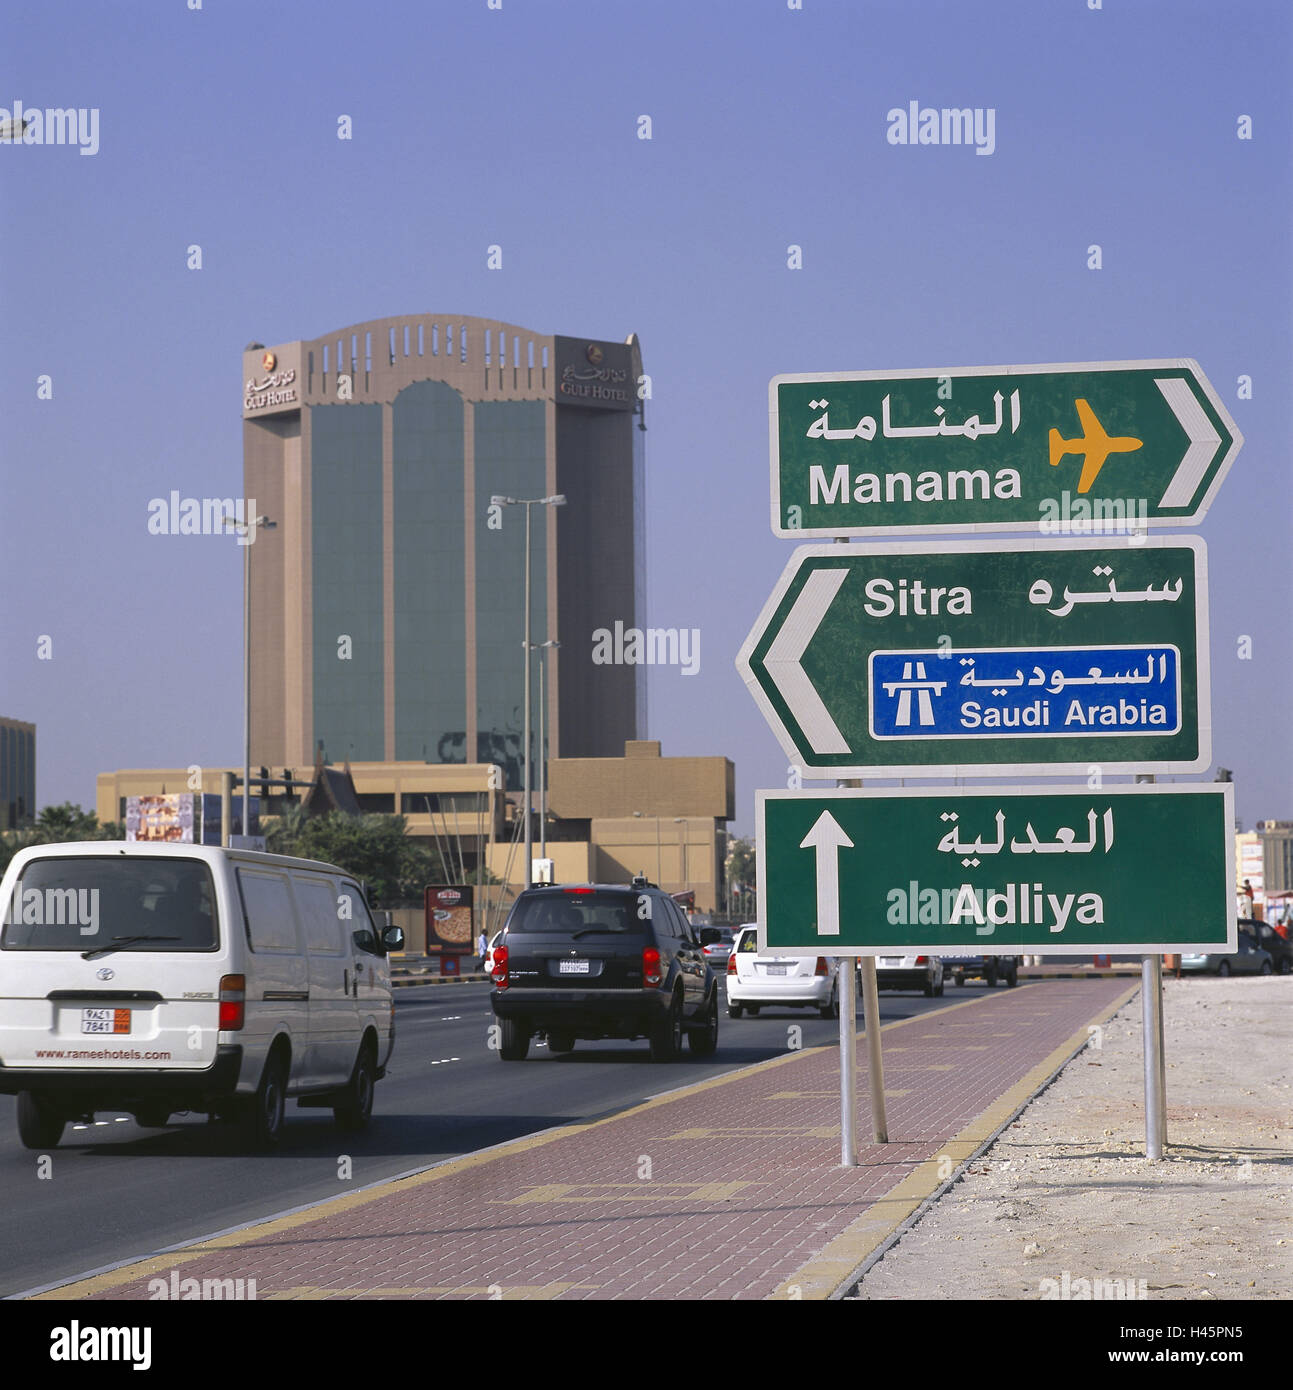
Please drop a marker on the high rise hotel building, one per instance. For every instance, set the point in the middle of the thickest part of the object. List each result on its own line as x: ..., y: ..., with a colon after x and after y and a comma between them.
x: 387, y: 604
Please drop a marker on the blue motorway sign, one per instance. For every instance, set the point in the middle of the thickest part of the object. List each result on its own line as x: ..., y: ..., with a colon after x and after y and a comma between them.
x: 1025, y: 692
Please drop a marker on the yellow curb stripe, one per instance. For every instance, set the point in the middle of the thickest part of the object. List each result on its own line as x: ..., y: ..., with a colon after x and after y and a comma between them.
x: 820, y: 1276
x: 151, y: 1265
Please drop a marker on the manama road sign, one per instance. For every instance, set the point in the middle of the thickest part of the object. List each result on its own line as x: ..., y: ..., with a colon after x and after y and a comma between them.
x: 1072, y: 448
x: 1143, y: 869
x: 969, y: 658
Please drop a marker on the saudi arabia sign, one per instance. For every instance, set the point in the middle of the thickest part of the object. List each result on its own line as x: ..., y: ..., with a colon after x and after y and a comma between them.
x: 997, y: 871
x: 969, y: 658
x: 1068, y: 448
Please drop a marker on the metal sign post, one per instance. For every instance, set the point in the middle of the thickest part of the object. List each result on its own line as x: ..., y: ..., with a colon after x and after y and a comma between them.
x: 875, y: 1062
x: 1151, y: 997
x: 848, y: 1067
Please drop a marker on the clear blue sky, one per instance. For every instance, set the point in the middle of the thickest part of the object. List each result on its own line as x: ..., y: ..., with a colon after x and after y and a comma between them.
x: 519, y: 127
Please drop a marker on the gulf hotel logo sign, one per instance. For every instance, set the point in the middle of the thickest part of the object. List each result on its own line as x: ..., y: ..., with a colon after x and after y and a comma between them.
x: 273, y: 387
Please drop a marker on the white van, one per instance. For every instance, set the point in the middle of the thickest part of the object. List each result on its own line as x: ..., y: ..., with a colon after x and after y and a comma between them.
x: 156, y: 978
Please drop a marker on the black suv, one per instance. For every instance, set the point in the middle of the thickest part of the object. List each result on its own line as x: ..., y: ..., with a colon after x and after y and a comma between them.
x: 603, y: 961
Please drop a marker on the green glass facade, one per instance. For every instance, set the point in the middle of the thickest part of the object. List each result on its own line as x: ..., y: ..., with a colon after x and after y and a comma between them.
x: 510, y: 440
x: 346, y: 546
x: 17, y: 773
x: 430, y: 574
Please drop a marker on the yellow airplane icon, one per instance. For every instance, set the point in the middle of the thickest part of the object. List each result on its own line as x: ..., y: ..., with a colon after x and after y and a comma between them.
x: 1095, y: 445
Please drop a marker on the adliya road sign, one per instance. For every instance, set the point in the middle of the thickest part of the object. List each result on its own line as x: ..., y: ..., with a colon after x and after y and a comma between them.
x: 1073, y: 448
x: 969, y: 658
x: 866, y: 872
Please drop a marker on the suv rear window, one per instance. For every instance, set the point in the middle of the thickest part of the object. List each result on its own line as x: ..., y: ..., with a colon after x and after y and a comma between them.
x: 83, y: 903
x: 564, y: 914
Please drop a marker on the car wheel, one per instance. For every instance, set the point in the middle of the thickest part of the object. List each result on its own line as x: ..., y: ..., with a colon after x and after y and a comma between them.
x: 929, y: 987
x: 264, y: 1119
x: 561, y: 1042
x: 40, y: 1124
x: 1223, y: 968
x: 939, y: 989
x: 735, y: 1010
x: 666, y: 1033
x: 1012, y: 979
x: 703, y: 1041
x: 353, y: 1111
x: 514, y: 1041
x: 1266, y: 967
x: 832, y: 1010
x: 753, y: 1010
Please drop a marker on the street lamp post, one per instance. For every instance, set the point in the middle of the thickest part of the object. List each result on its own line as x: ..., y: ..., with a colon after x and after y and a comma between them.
x: 247, y: 530
x: 543, y: 749
x: 555, y: 500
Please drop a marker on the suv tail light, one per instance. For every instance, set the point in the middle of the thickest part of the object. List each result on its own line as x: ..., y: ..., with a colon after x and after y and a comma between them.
x: 922, y: 960
x: 498, y: 972
x: 822, y: 967
x: 233, y: 1003
x: 731, y: 963
x: 652, y: 974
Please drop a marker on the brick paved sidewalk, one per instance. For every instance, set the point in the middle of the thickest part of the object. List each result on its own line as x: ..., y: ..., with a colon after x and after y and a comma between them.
x: 727, y: 1189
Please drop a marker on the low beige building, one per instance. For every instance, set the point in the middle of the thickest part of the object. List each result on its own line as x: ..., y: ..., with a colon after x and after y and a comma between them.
x: 608, y: 818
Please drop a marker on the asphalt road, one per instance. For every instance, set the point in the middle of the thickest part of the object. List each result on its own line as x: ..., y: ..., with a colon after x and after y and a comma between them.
x: 115, y: 1191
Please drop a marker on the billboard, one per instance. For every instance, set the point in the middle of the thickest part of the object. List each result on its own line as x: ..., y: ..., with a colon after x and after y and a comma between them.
x: 184, y: 818
x: 451, y: 918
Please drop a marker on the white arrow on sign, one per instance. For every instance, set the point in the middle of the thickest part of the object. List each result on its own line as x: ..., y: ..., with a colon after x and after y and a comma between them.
x: 785, y: 655
x: 1198, y: 430
x: 827, y: 838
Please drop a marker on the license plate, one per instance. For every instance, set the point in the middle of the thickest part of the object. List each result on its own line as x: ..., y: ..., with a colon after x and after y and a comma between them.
x: 572, y: 967
x: 105, y: 1020
x: 890, y: 960
x: 776, y: 969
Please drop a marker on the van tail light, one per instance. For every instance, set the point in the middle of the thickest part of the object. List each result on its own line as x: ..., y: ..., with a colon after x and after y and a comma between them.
x: 731, y: 964
x: 822, y: 967
x: 233, y: 1002
x: 652, y: 974
x: 498, y: 969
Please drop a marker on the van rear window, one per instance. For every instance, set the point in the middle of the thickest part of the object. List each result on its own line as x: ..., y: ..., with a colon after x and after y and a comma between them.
x: 83, y: 904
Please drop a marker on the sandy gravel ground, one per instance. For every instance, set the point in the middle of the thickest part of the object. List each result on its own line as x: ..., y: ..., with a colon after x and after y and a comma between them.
x: 1067, y: 1189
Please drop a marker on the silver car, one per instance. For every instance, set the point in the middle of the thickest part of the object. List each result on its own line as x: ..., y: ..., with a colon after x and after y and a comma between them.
x: 1249, y: 959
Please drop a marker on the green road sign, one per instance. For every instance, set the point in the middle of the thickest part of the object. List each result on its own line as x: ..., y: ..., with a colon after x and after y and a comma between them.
x: 860, y: 872
x: 969, y: 658
x: 1068, y: 448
